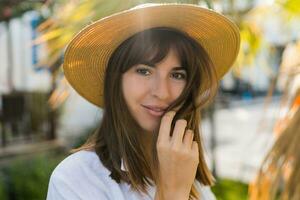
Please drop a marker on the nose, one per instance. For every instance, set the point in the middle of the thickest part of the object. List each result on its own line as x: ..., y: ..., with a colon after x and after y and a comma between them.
x: 161, y: 88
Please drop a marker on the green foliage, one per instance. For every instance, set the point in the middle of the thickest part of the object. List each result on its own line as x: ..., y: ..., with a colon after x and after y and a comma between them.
x: 292, y: 6
x: 226, y: 189
x: 3, y: 194
x: 28, y: 178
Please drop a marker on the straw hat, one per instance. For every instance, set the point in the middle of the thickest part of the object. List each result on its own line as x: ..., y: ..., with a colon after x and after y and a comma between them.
x: 87, y: 55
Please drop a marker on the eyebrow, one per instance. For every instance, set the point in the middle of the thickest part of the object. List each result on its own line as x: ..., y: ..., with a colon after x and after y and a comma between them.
x: 174, y: 68
x: 179, y: 68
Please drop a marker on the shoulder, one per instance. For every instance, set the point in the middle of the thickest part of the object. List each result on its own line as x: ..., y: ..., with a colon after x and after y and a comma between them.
x: 78, y: 175
x: 81, y: 161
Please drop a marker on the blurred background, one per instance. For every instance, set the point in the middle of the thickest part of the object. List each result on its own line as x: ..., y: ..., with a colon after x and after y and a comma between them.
x: 251, y: 131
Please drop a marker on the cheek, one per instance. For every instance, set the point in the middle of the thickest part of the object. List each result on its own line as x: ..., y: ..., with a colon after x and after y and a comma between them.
x: 133, y: 89
x: 177, y: 89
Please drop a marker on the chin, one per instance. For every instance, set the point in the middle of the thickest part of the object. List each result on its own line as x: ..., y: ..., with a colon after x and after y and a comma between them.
x: 148, y: 124
x: 150, y: 128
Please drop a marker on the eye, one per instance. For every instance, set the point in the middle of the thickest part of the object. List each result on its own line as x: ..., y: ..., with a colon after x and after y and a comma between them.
x: 178, y: 75
x: 143, y: 71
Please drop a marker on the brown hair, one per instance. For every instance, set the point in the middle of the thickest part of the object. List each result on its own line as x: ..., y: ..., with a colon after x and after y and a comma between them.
x: 118, y: 137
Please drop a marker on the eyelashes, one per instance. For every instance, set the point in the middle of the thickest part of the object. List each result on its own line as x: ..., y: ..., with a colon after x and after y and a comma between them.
x: 179, y: 75
x: 144, y: 71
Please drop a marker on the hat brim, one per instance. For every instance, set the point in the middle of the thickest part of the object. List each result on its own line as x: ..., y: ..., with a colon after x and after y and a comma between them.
x: 87, y: 55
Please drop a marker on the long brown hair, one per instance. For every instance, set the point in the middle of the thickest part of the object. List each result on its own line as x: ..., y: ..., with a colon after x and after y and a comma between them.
x: 119, y: 136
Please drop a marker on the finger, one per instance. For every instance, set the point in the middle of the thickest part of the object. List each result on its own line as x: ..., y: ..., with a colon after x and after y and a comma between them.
x: 165, y: 126
x: 188, y: 138
x: 195, y: 146
x: 178, y: 132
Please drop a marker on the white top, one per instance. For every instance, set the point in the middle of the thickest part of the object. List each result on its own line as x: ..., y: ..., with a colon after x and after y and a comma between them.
x: 82, y: 176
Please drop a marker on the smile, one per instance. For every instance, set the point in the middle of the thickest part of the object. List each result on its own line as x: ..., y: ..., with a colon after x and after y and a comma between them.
x: 154, y: 111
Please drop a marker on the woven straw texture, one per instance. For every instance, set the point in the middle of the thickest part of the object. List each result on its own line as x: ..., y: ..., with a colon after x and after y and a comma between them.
x: 88, y: 53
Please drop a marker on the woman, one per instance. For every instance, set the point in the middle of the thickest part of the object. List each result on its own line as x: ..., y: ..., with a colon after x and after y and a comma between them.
x: 151, y: 69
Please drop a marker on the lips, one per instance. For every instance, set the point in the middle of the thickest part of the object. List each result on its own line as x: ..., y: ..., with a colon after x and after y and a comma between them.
x: 156, y: 111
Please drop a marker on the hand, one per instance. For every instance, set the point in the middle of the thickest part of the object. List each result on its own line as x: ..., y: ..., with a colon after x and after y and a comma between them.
x: 178, y: 158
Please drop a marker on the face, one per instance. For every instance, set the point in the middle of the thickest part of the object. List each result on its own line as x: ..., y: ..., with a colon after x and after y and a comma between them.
x: 150, y: 88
